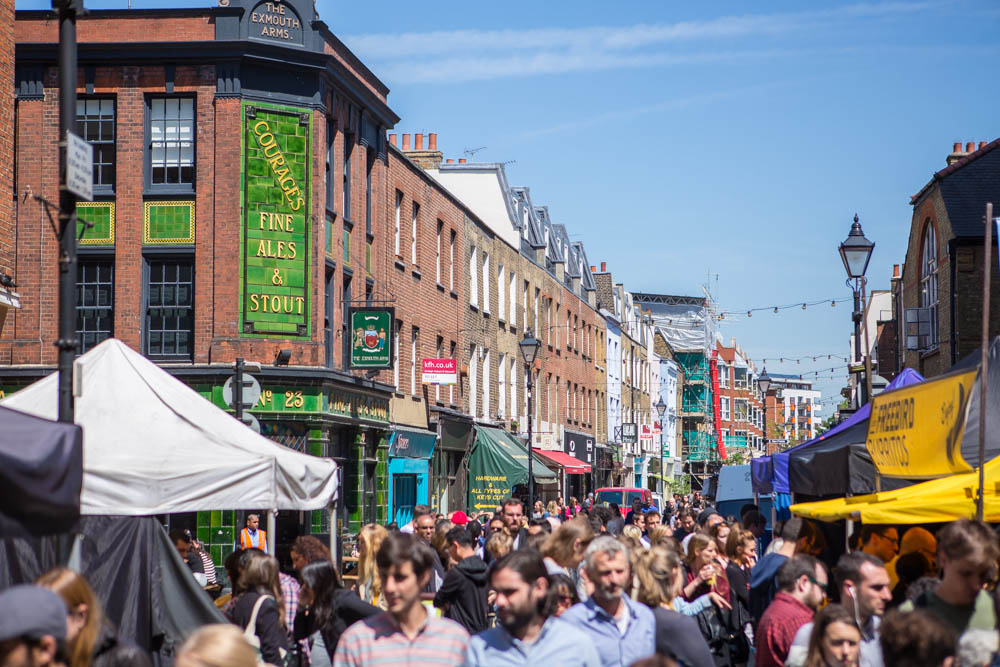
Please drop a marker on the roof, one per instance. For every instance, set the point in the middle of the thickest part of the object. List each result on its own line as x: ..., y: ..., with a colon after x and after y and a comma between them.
x: 966, y: 186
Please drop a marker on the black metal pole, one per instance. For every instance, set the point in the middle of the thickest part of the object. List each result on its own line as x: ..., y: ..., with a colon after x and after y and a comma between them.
x: 66, y: 342
x: 862, y: 399
x: 531, y: 455
x: 238, y: 389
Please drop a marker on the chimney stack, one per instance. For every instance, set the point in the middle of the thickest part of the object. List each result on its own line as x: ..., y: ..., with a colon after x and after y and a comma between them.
x: 461, y: 160
x: 956, y: 153
x: 392, y: 139
x: 593, y: 269
x: 406, y: 142
x: 432, y: 141
x: 418, y: 142
x: 982, y: 144
x: 429, y: 158
x: 449, y: 161
x: 604, y: 267
x: 956, y: 147
x: 895, y: 271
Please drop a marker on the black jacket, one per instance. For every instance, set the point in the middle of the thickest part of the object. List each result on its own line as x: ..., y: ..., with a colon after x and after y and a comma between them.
x: 678, y: 636
x: 463, y: 594
x: 347, y: 609
x: 268, y: 627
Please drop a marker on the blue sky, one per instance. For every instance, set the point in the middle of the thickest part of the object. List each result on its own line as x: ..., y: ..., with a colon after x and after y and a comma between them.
x: 728, y: 142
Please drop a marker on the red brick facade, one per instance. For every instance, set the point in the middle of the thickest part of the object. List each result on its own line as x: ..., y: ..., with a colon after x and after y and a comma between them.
x: 6, y: 136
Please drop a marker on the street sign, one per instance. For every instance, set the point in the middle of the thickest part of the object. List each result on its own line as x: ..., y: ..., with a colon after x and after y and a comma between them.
x: 630, y: 433
x: 778, y: 441
x: 79, y: 167
x: 251, y: 391
x: 251, y: 421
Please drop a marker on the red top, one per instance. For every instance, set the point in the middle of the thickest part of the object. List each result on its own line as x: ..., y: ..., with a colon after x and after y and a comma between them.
x: 777, y: 628
x: 721, y: 585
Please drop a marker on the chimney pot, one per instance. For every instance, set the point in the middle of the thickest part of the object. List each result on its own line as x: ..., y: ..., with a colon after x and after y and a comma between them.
x: 392, y: 139
x: 982, y: 144
x: 593, y: 269
x: 449, y: 161
x: 895, y: 271
x: 406, y: 142
x: 956, y: 147
x: 971, y: 146
x: 432, y: 141
x: 461, y: 160
x: 604, y: 267
x: 418, y: 142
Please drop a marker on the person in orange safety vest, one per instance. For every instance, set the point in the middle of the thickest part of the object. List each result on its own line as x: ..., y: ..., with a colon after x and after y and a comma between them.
x: 252, y: 537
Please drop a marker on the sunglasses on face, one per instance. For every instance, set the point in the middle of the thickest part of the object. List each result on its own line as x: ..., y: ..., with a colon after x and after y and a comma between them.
x: 822, y: 587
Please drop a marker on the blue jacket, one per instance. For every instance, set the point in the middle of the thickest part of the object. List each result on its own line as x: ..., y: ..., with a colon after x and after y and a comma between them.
x: 764, y: 582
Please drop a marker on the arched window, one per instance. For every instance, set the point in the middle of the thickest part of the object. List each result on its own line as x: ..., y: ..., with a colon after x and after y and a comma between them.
x: 929, y: 281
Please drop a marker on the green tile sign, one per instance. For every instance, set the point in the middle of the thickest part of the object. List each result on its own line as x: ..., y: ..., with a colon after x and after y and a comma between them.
x: 371, y: 337
x: 101, y: 216
x: 168, y: 223
x: 276, y: 192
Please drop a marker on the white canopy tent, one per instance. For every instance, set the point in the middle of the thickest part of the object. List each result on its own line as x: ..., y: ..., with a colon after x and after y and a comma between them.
x: 152, y: 445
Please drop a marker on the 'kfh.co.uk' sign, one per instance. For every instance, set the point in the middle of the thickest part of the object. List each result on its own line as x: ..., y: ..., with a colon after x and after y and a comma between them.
x: 439, y: 371
x: 647, y: 432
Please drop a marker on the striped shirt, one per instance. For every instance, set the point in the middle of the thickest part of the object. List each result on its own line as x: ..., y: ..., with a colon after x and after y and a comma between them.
x: 378, y: 640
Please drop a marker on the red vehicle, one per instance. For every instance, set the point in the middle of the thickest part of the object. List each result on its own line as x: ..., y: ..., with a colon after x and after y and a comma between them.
x: 623, y: 497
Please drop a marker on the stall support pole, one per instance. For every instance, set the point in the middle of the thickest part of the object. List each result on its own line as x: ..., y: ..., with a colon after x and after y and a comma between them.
x: 272, y: 515
x: 983, y: 364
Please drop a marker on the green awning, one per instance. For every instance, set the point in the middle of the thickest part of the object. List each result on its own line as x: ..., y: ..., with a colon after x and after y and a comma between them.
x: 497, y: 464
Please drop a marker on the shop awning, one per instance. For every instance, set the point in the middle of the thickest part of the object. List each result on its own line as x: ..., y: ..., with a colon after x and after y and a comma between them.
x: 497, y: 464
x: 573, y: 465
x: 411, y: 443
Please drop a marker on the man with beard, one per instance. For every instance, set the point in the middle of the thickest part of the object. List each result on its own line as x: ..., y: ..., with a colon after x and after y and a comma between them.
x: 622, y: 630
x: 528, y: 634
x: 802, y: 584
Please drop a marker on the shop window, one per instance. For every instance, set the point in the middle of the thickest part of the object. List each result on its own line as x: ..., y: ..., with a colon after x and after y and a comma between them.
x: 95, y: 301
x: 170, y: 308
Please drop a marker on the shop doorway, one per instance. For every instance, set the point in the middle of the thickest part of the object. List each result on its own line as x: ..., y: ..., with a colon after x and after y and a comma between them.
x: 404, y: 493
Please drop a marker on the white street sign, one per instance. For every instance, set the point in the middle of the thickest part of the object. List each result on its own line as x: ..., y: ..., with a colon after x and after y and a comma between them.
x: 79, y: 167
x: 251, y: 391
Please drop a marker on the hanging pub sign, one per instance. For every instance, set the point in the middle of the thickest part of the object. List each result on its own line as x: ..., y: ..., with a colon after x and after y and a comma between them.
x: 371, y: 337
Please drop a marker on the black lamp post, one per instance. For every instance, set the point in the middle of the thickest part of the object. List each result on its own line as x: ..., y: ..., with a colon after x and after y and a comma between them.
x: 529, y: 349
x: 661, y: 408
x: 764, y: 383
x: 856, y: 251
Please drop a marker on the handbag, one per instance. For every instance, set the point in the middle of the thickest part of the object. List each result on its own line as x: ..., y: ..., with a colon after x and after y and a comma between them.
x: 250, y: 634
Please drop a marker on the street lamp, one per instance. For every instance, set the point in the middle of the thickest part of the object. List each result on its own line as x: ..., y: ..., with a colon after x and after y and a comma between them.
x: 855, y: 252
x: 764, y: 383
x: 529, y: 349
x: 661, y: 408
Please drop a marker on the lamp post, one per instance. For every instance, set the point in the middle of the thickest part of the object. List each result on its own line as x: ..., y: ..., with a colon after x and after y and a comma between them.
x: 529, y: 349
x: 856, y: 251
x: 661, y: 408
x: 764, y: 383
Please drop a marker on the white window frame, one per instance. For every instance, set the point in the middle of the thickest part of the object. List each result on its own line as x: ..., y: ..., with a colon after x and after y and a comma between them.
x: 399, y: 206
x: 486, y: 282
x: 437, y: 260
x: 415, y: 224
x: 724, y: 408
x: 502, y: 387
x: 929, y: 281
x: 486, y: 385
x: 414, y: 344
x: 473, y: 379
x: 501, y: 294
x: 474, y: 277
x: 512, y: 306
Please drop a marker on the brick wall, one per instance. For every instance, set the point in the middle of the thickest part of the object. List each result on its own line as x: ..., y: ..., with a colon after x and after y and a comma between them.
x: 6, y: 136
x: 40, y: 27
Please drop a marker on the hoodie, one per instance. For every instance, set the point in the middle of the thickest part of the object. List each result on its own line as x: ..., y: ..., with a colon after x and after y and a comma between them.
x: 463, y: 594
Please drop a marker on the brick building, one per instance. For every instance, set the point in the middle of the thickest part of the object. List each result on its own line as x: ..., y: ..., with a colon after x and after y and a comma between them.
x: 937, y: 301
x: 8, y: 298
x: 741, y: 406
x: 240, y: 164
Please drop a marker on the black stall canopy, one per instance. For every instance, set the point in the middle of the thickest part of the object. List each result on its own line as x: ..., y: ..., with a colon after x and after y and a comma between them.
x: 41, y: 475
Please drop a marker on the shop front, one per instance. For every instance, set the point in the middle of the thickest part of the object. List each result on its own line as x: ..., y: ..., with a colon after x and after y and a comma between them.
x: 449, y: 484
x: 498, y: 469
x: 410, y: 452
x: 572, y: 473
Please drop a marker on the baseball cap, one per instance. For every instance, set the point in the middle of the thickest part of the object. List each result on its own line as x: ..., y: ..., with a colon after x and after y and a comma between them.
x: 32, y: 612
x: 459, y: 518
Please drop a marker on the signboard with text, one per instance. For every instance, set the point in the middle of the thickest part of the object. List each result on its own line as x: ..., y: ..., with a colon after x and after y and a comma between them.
x: 579, y: 445
x: 439, y: 371
x: 371, y: 337
x: 274, y: 299
x: 630, y: 434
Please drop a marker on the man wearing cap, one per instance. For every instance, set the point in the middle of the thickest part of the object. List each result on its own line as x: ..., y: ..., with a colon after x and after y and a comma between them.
x: 459, y: 518
x: 32, y: 628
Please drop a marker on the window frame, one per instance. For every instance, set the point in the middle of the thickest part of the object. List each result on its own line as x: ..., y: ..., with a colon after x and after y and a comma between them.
x: 169, y: 188
x: 165, y: 255
x: 101, y: 188
x: 929, y: 281
x: 93, y: 258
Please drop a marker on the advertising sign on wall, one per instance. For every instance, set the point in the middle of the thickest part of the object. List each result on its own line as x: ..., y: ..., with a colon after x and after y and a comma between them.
x: 579, y: 445
x: 630, y: 433
x: 274, y: 295
x: 439, y: 371
x: 371, y: 337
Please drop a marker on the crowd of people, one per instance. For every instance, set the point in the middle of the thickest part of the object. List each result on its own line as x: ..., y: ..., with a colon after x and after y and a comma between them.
x: 567, y: 584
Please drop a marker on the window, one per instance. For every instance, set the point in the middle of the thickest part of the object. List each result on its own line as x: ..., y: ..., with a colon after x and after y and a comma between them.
x: 473, y: 379
x: 95, y: 301
x: 501, y: 294
x: 451, y: 260
x: 928, y: 281
x: 414, y: 226
x: 328, y: 327
x: 171, y: 141
x: 741, y: 411
x: 502, y: 387
x: 486, y: 282
x: 513, y: 386
x: 512, y: 308
x: 331, y: 135
x: 740, y: 378
x: 347, y: 243
x: 170, y: 309
x: 95, y: 123
x: 723, y: 376
x: 396, y: 361
x: 538, y: 293
x: 524, y: 303
x: 399, y: 206
x: 369, y: 168
x: 414, y: 341
x: 548, y: 398
x: 474, y: 277
x: 345, y: 326
x: 346, y: 192
x: 437, y: 259
x: 486, y: 385
x: 724, y: 407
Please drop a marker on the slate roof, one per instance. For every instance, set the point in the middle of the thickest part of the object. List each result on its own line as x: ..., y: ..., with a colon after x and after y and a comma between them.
x: 966, y: 186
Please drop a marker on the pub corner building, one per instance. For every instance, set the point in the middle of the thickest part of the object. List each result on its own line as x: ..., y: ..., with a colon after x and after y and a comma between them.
x: 239, y: 161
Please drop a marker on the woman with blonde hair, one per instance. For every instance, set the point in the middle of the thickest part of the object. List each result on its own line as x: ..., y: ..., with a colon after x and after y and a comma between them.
x: 498, y: 545
x: 369, y: 585
x: 663, y: 536
x: 260, y: 609
x: 564, y: 549
x: 704, y: 574
x: 216, y: 646
x: 90, y: 637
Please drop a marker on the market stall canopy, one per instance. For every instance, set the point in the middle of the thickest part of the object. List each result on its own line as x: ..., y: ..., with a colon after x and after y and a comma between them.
x: 498, y: 463
x: 772, y: 473
x: 573, y: 465
x: 41, y: 472
x: 155, y: 446
x: 932, y: 429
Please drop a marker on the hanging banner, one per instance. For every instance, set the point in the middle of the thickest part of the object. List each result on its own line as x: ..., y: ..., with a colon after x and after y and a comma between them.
x: 371, y: 337
x: 916, y: 432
